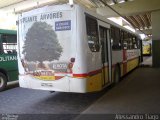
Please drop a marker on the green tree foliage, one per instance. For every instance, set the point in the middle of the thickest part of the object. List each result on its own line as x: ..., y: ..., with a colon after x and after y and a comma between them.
x: 41, y: 43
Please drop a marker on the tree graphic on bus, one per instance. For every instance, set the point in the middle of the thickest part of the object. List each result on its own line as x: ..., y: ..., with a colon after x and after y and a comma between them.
x: 41, y: 44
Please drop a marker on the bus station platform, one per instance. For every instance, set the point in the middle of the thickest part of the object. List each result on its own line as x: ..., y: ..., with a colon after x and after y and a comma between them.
x: 147, y: 61
x: 137, y: 93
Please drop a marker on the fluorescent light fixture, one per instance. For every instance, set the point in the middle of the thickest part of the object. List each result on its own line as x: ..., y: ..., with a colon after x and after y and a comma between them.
x: 125, y: 20
x: 71, y: 2
x: 117, y: 20
x: 142, y: 36
x: 129, y: 28
x: 111, y: 4
x: 120, y: 1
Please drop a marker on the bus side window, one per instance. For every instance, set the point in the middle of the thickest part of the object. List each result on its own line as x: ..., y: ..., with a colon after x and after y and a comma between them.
x: 9, y: 52
x: 130, y: 41
x: 14, y: 51
x: 138, y: 43
x: 125, y: 41
x: 121, y: 38
x: 134, y: 42
x: 92, y: 34
x: 115, y: 38
x: 1, y: 48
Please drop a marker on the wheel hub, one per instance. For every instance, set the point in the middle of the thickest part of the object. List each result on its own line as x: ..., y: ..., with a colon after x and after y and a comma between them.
x: 1, y: 81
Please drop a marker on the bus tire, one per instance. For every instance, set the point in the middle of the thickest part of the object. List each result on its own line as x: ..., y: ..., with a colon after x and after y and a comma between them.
x: 3, y: 81
x: 116, y: 74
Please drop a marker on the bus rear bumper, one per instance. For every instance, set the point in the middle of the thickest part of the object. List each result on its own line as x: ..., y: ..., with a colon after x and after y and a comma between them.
x: 65, y: 84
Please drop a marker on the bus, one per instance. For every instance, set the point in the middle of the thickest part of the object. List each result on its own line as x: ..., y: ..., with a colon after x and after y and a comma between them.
x: 8, y: 57
x: 71, y: 49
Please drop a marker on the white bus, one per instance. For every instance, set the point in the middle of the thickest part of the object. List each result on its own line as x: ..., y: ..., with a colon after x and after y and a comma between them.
x: 70, y: 49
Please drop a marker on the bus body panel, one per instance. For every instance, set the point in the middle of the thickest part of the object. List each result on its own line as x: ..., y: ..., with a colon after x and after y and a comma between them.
x: 58, y: 85
x: 8, y: 63
x: 117, y: 57
x: 56, y: 72
x: 132, y: 59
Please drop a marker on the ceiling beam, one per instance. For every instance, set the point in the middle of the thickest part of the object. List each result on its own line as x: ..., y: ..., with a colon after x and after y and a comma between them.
x: 132, y: 22
x: 144, y: 18
x: 142, y: 25
x: 147, y: 19
x: 136, y: 7
x: 147, y: 31
x: 116, y: 12
x: 23, y: 5
x: 7, y: 4
x: 136, y: 22
x: 143, y: 21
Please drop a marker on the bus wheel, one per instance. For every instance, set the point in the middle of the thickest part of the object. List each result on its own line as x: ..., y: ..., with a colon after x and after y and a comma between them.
x: 3, y: 81
x: 116, y: 74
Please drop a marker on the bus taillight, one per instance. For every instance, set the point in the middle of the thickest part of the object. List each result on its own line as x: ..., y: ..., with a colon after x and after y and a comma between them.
x: 70, y: 65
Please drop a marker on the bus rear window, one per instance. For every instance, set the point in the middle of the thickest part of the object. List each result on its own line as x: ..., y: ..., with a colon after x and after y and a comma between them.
x: 92, y: 34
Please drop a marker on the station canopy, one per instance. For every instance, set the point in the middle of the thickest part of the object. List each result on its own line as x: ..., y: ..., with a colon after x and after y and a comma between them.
x: 136, y: 12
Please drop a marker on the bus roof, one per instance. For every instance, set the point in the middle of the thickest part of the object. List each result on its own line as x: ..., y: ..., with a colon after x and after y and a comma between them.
x: 4, y: 31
